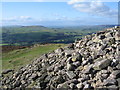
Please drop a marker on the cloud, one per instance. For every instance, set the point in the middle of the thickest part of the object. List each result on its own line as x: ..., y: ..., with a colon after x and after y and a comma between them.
x: 20, y: 18
x: 22, y: 0
x: 17, y: 20
x: 75, y: 1
x: 54, y: 0
x: 93, y: 8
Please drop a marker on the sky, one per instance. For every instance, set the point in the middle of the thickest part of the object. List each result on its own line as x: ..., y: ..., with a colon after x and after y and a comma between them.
x: 70, y: 13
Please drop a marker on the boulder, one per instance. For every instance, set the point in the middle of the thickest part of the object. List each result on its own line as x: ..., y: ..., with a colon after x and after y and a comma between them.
x: 115, y: 74
x: 71, y: 46
x: 63, y: 85
x: 117, y: 36
x: 87, y: 86
x: 118, y: 50
x: 118, y: 80
x: 88, y: 69
x: 108, y: 35
x: 99, y: 65
x: 118, y: 66
x: 80, y: 85
x: 72, y: 85
x: 34, y: 76
x: 77, y: 63
x: 70, y: 67
x: 112, y: 87
x: 109, y: 82
x: 71, y: 74
x: 59, y: 50
x: 77, y: 57
x: 7, y: 71
x: 68, y: 53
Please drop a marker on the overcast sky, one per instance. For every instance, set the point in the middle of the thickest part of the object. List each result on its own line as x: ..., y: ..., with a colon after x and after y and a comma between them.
x: 59, y: 13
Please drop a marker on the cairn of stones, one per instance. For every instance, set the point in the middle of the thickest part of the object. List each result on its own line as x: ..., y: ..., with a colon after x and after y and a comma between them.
x: 92, y: 62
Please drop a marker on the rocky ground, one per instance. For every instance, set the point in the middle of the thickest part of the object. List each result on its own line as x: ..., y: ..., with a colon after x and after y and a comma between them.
x: 91, y: 62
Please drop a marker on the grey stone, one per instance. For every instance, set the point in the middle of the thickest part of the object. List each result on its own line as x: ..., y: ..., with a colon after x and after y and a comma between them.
x: 114, y: 62
x: 43, y: 76
x: 109, y: 81
x: 116, y: 27
x: 108, y: 35
x: 85, y: 77
x: 59, y: 79
x: 7, y: 71
x: 76, y: 63
x: 63, y: 85
x: 77, y: 57
x: 50, y: 69
x: 17, y: 84
x: 101, y: 36
x: 100, y: 32
x: 111, y: 41
x: 118, y: 50
x: 80, y: 85
x: 105, y: 76
x: 101, y: 64
x: 71, y: 74
x: 110, y: 69
x: 33, y: 76
x: 47, y: 79
x: 51, y: 55
x: 104, y: 71
x: 23, y: 82
x: 45, y: 64
x: 87, y: 86
x: 81, y: 79
x: 72, y: 85
x: 67, y: 83
x: 85, y: 62
x: 118, y: 66
x: 88, y: 69
x: 115, y: 74
x: 57, y: 68
x: 117, y: 36
x: 72, y: 81
x: 71, y: 46
x: 118, y: 80
x: 112, y: 87
x: 27, y: 76
x: 70, y: 67
x: 68, y: 53
x: 69, y: 60
x: 59, y: 50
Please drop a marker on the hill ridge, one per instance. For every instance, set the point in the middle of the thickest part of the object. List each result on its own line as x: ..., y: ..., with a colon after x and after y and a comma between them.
x: 91, y: 62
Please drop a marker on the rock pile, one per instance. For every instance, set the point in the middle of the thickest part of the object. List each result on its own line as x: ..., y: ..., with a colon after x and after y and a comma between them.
x: 92, y: 62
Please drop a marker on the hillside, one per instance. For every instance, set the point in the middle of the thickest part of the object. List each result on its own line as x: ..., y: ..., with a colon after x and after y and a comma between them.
x: 89, y: 63
x: 14, y: 57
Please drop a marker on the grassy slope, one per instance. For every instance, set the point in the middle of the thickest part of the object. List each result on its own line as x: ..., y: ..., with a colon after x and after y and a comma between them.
x: 17, y: 58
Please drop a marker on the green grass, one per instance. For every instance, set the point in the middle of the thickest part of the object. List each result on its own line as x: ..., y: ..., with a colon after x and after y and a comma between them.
x: 3, y: 44
x: 17, y: 58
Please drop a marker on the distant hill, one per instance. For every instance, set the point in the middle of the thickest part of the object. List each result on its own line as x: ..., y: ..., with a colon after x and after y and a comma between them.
x: 29, y: 35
